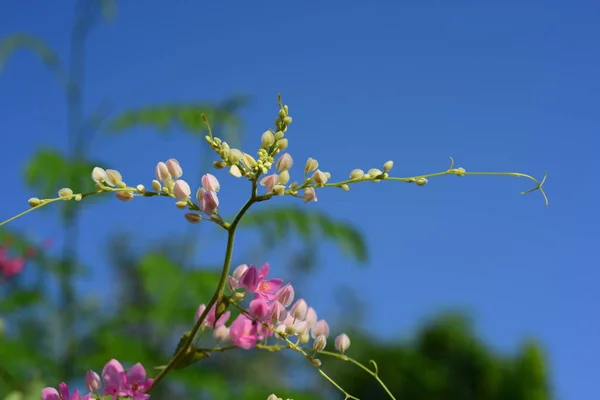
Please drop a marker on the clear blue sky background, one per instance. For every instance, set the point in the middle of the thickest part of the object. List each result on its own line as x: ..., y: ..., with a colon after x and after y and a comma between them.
x: 509, y: 85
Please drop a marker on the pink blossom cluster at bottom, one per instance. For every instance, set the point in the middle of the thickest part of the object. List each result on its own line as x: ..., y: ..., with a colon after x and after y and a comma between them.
x: 118, y: 383
x: 269, y: 311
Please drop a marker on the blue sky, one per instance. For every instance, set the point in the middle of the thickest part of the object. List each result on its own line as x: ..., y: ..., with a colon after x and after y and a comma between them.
x: 508, y: 85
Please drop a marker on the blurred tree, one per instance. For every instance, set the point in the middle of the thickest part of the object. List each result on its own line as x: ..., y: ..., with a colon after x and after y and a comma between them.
x: 445, y: 360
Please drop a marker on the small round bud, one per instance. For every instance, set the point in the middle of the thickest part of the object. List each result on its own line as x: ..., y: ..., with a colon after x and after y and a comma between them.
x: 282, y: 144
x: 124, y: 196
x: 78, y: 197
x: 193, y: 218
x: 282, y: 113
x: 181, y: 204
x: 460, y: 172
x: 286, y: 109
x: 342, y: 343
x: 65, y: 193
x: 345, y: 187
x: 357, y: 173
x: 156, y: 185
x: 219, y: 164
x: 34, y: 202
x: 299, y: 309
x: 278, y: 135
x: 316, y: 362
x: 304, y: 337
x: 287, y: 120
x: 387, y: 167
x: 267, y: 139
x: 421, y: 181
x: 374, y: 172
x: 141, y: 188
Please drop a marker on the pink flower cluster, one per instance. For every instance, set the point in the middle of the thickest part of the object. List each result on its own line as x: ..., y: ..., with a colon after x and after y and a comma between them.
x: 118, y: 383
x: 10, y: 266
x: 270, y: 306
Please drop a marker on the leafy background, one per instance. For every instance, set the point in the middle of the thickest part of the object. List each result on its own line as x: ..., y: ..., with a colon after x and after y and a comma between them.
x: 495, y: 86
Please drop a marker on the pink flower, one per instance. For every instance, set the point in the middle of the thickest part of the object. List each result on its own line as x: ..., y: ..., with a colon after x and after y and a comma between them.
x: 174, y: 168
x: 269, y: 182
x: 209, y: 321
x: 137, y: 383
x: 320, y: 328
x: 310, y: 195
x: 62, y: 393
x: 233, y: 280
x: 92, y: 381
x: 210, y: 183
x: 254, y: 282
x: 182, y: 190
x: 277, y: 312
x: 50, y: 394
x: 115, y: 379
x: 259, y: 309
x: 243, y: 332
x: 285, y: 295
x: 207, y: 201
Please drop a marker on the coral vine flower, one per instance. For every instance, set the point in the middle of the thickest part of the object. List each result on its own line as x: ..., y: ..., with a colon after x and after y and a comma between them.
x: 243, y: 332
x: 137, y: 383
x: 254, y: 282
x: 209, y: 321
x: 63, y: 393
x: 114, y: 377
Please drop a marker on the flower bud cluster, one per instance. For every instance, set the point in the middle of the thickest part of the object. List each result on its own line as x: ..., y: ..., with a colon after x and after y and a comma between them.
x: 243, y: 164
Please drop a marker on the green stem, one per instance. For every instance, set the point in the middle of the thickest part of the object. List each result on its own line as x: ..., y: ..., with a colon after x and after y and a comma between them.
x: 353, y: 361
x: 218, y: 295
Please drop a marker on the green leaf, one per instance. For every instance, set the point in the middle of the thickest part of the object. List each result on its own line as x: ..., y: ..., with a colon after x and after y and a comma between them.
x: 188, y: 117
x: 309, y: 225
x: 19, y: 299
x: 175, y: 292
x: 48, y: 170
x: 39, y: 47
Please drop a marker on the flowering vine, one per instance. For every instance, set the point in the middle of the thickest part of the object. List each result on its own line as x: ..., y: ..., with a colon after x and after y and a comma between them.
x: 267, y: 314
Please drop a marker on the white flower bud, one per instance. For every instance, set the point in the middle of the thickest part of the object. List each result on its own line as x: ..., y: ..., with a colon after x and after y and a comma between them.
x: 387, y: 167
x: 311, y: 165
x: 65, y: 193
x: 282, y: 144
x: 319, y: 343
x: 113, y: 177
x: 357, y: 173
x: 99, y: 175
x: 34, y: 202
x: 421, y: 181
x: 342, y: 343
x: 156, y: 185
x: 267, y: 139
